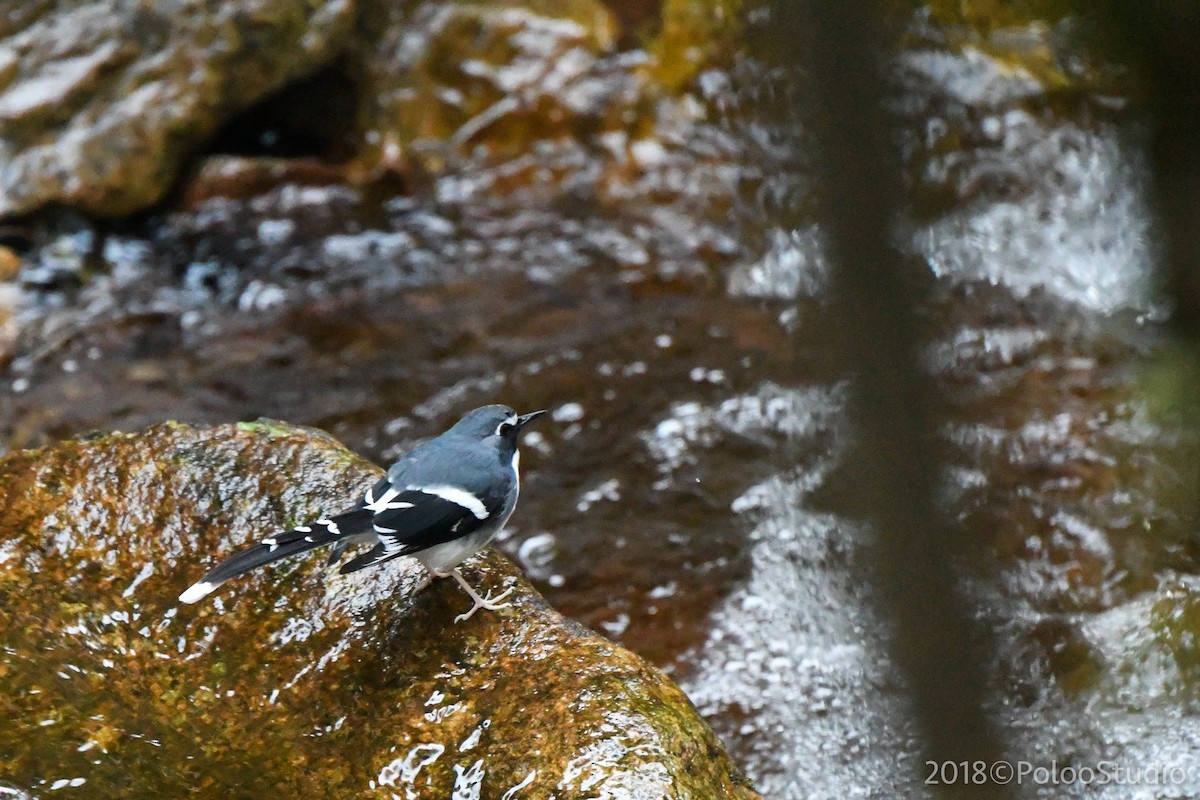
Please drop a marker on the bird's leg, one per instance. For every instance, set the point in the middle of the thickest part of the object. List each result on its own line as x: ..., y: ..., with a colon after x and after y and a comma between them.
x: 430, y: 574
x: 489, y: 602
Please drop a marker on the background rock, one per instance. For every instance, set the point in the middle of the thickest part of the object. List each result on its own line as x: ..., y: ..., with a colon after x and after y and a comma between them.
x: 100, y: 102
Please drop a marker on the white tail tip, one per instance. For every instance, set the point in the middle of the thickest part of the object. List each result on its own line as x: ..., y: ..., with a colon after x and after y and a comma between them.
x: 197, y: 591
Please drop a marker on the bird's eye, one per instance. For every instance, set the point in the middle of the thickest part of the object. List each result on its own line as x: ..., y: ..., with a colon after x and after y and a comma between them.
x: 504, y: 429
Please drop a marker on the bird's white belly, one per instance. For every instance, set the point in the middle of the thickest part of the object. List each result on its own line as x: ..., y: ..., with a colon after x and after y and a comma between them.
x: 448, y: 555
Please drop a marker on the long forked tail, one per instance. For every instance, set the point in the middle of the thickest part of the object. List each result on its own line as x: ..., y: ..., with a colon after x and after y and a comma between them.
x: 280, y: 546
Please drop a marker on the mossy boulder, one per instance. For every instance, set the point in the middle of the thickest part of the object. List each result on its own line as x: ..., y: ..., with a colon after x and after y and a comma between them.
x: 294, y: 681
x: 445, y: 79
x: 544, y: 87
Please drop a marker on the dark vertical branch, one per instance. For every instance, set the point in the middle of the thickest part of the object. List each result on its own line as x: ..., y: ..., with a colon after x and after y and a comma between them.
x: 840, y: 46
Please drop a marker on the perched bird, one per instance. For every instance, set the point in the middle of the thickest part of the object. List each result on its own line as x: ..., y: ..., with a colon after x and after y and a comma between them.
x: 440, y: 503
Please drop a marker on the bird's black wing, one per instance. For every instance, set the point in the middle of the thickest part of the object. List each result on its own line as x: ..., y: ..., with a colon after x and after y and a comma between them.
x: 427, y: 519
x: 433, y: 501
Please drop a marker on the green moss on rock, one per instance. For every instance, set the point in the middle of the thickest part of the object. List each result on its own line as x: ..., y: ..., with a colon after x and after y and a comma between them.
x: 695, y: 36
x: 449, y: 77
x: 294, y: 681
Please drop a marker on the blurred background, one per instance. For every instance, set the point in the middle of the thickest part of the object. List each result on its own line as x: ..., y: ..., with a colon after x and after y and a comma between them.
x: 371, y: 216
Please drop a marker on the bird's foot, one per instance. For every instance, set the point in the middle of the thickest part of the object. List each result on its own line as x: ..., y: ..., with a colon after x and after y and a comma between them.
x: 488, y: 602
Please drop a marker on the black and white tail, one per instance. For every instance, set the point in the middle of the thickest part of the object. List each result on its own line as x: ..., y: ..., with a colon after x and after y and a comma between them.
x: 300, y: 539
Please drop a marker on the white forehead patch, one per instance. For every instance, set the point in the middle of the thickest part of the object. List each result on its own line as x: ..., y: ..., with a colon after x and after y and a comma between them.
x: 509, y: 421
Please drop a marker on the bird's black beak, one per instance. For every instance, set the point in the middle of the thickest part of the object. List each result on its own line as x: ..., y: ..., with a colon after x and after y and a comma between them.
x: 525, y: 419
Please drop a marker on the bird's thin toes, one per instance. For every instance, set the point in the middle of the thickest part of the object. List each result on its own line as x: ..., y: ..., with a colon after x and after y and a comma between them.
x: 490, y: 606
x: 493, y: 604
x: 500, y: 596
x: 488, y: 602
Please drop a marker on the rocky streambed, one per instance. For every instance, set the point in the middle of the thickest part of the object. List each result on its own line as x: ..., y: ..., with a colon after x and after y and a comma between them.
x: 368, y: 217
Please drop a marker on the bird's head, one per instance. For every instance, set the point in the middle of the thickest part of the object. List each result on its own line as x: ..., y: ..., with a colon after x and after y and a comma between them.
x: 488, y: 421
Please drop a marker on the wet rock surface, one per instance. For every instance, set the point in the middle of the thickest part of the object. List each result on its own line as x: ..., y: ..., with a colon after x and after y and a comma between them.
x: 294, y: 680
x: 101, y: 102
